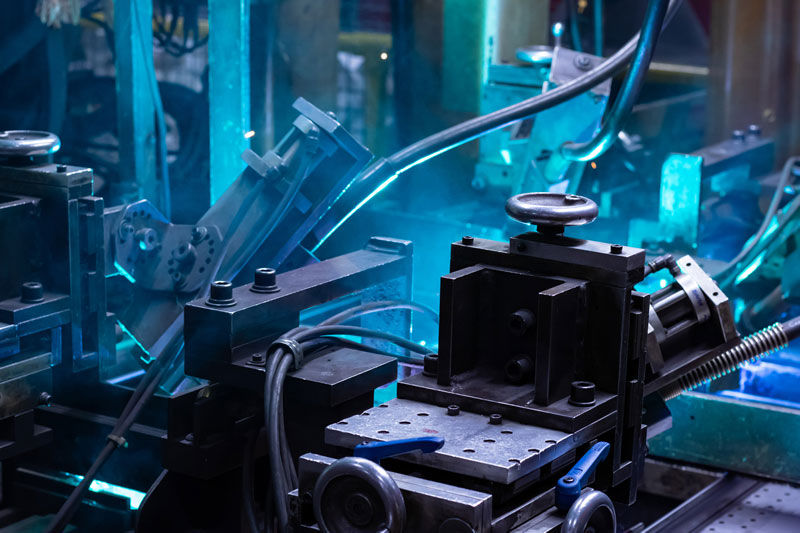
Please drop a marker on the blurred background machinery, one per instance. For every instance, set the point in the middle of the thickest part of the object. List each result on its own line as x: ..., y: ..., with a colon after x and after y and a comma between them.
x: 186, y: 190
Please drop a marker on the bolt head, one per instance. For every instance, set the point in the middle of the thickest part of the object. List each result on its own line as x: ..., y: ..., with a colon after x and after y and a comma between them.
x: 453, y: 410
x: 466, y: 239
x: 495, y: 419
x: 616, y: 249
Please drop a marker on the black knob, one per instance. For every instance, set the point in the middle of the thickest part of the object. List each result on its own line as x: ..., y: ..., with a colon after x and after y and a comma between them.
x: 32, y: 292
x: 582, y: 393
x: 221, y: 294
x: 265, y: 280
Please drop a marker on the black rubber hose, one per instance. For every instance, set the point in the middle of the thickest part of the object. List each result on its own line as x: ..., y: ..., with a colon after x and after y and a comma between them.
x: 71, y: 505
x: 792, y: 328
x: 629, y: 93
x: 381, y: 171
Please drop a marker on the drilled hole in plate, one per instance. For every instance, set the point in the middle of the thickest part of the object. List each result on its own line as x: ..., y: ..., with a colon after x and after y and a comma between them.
x: 512, y: 460
x: 422, y: 414
x: 533, y: 450
x: 343, y: 423
x: 688, y: 264
x: 211, y: 242
x: 550, y: 441
x: 365, y: 413
x: 489, y: 440
x: 383, y: 405
x: 383, y: 431
x: 404, y: 422
x: 211, y: 251
x: 202, y: 269
x: 506, y: 432
x: 469, y: 450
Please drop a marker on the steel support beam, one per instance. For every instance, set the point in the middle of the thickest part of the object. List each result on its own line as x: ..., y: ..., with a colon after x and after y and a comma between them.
x: 133, y: 41
x: 229, y: 90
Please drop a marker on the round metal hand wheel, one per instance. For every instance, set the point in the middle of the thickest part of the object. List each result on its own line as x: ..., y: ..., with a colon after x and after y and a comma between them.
x: 23, y: 143
x: 592, y: 512
x: 355, y: 495
x: 551, y: 211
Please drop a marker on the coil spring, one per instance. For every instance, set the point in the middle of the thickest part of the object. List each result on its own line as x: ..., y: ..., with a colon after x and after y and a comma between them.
x: 753, y: 347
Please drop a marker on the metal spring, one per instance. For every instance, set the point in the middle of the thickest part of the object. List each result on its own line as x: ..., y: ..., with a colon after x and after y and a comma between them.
x: 753, y: 347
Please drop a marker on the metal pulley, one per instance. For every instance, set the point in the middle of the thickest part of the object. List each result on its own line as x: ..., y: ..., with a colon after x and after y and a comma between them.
x: 551, y: 212
x: 26, y: 143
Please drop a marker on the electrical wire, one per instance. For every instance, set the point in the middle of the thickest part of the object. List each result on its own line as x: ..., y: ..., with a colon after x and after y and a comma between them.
x: 143, y: 392
x: 728, y: 273
x: 598, y: 28
x: 379, y: 306
x: 382, y: 172
x: 629, y: 93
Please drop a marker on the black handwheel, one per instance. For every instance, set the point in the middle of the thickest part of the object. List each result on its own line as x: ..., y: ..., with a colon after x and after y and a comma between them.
x: 551, y: 211
x: 355, y: 495
x: 592, y: 512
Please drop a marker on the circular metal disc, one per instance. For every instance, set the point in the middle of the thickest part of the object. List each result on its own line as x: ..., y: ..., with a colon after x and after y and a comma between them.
x: 27, y: 143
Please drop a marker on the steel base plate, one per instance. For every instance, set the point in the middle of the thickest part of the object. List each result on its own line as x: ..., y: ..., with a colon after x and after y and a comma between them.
x: 501, y: 453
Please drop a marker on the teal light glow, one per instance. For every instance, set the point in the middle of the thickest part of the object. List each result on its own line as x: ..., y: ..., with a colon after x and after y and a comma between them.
x: 773, y: 225
x: 356, y: 208
x: 662, y: 283
x: 125, y: 274
x: 788, y: 189
x: 750, y: 269
x: 142, y: 245
x: 386, y: 183
x: 102, y: 487
x: 135, y: 497
x: 127, y: 332
x: 506, y: 156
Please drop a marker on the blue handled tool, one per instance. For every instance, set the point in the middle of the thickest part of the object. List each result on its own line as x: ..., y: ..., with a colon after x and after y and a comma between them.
x: 569, y: 487
x: 375, y: 451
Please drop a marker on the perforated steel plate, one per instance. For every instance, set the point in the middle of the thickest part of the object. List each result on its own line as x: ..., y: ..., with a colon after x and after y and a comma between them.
x: 501, y: 453
x: 772, y: 507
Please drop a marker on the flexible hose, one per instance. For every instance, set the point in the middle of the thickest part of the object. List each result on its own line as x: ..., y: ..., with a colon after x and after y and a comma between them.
x: 752, y: 348
x: 727, y: 274
x: 631, y: 87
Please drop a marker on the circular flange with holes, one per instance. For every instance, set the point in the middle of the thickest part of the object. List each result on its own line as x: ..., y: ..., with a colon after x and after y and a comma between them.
x: 550, y: 210
x: 356, y: 495
x: 24, y: 143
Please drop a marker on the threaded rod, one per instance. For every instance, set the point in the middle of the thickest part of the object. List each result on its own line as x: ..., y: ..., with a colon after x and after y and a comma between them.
x: 753, y: 347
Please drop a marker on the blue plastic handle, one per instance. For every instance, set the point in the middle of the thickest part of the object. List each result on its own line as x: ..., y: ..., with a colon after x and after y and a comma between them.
x: 569, y: 487
x: 375, y: 451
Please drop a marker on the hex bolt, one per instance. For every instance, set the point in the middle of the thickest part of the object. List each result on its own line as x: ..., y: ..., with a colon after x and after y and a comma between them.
x: 616, y: 249
x: 495, y: 419
x: 466, y: 239
x: 453, y: 410
x: 45, y: 398
x: 754, y: 130
x: 582, y: 62
x: 198, y: 234
x: 61, y: 168
x: 582, y: 393
x: 221, y: 294
x: 572, y: 199
x: 569, y: 479
x: 32, y: 292
x: 265, y: 280
x: 737, y: 135
x: 521, y: 321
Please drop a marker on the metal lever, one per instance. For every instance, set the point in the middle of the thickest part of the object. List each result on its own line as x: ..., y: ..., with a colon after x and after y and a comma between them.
x: 375, y: 451
x: 569, y: 487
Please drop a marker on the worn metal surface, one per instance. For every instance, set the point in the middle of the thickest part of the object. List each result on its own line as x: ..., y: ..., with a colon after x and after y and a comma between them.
x: 735, y: 435
x: 502, y: 453
x: 770, y: 507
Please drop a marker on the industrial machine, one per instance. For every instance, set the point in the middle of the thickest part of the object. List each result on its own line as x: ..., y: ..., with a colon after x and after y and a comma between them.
x: 270, y: 342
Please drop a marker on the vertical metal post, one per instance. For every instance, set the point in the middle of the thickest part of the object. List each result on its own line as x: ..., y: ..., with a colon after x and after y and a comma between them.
x: 229, y: 90
x: 135, y: 112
